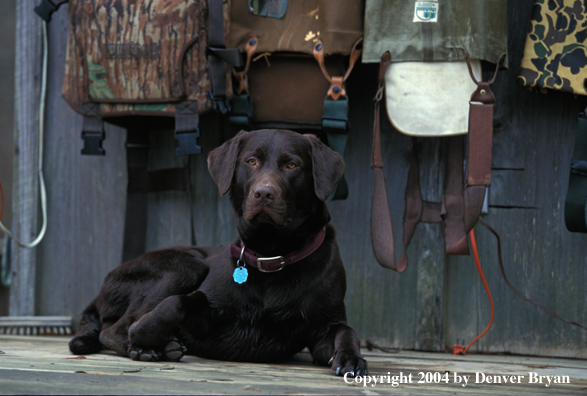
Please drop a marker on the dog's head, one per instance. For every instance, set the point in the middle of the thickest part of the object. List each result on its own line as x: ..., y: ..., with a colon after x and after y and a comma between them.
x: 276, y: 178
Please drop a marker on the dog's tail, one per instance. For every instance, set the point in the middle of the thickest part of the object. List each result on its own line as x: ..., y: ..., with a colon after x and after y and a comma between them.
x: 87, y: 336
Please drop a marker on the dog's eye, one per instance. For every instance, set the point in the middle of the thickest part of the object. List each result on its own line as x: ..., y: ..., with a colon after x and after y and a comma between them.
x: 291, y: 165
x: 252, y: 161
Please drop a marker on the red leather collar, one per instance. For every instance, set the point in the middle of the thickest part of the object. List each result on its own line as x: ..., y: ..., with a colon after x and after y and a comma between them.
x: 277, y: 263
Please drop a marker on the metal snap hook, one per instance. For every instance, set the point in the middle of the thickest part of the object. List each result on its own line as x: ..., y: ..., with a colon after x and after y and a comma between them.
x: 241, y: 258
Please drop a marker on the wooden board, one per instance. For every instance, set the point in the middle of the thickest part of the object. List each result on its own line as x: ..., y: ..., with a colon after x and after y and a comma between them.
x: 7, y: 49
x: 86, y: 199
x: 43, y: 365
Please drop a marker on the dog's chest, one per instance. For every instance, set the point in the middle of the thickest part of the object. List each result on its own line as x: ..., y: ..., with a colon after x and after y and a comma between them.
x: 255, y: 332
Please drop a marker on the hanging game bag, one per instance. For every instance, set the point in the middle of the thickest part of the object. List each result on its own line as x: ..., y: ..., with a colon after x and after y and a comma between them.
x: 298, y: 56
x: 555, y: 57
x: 146, y: 58
x: 429, y: 91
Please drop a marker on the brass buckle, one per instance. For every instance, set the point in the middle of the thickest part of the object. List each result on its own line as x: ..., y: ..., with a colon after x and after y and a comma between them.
x: 261, y: 259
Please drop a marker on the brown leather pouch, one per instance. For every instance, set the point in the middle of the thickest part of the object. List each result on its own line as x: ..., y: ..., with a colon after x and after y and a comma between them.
x: 290, y: 89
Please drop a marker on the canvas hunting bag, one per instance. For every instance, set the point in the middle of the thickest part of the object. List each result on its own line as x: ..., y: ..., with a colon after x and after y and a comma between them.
x: 147, y: 58
x: 555, y: 58
x: 432, y: 87
x: 298, y: 56
x: 555, y: 54
x: 282, y: 78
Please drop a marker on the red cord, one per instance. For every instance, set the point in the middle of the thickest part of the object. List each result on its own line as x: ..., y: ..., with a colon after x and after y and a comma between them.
x: 460, y: 349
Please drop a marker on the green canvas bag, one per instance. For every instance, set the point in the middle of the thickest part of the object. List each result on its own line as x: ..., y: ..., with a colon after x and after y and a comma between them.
x: 435, y: 30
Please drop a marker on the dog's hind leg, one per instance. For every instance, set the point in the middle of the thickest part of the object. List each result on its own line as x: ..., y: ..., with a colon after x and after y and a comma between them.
x: 87, y: 337
x: 115, y: 336
x: 155, y: 329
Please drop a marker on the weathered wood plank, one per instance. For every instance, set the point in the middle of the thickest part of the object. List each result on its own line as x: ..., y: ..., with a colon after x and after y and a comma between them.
x: 213, y: 218
x: 47, y: 360
x: 542, y: 259
x: 168, y: 212
x: 377, y: 299
x: 428, y: 249
x: 26, y: 181
x: 86, y: 197
x: 7, y: 44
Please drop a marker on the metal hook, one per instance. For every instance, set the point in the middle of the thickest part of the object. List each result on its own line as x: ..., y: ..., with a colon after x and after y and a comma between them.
x: 241, y: 259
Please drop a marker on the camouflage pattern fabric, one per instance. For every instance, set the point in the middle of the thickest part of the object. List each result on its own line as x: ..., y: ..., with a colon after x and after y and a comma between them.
x: 138, y: 57
x: 555, y: 51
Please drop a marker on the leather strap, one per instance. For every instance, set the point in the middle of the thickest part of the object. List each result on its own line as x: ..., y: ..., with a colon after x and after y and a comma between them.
x: 382, y: 237
x: 336, y: 89
x: 455, y: 231
x: 576, y: 199
x: 335, y: 120
x: 450, y: 210
x: 242, y: 76
x: 218, y: 56
x: 273, y: 264
x: 241, y: 112
x: 464, y: 194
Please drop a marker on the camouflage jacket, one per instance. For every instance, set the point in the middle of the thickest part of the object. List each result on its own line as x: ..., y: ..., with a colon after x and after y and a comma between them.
x: 555, y: 51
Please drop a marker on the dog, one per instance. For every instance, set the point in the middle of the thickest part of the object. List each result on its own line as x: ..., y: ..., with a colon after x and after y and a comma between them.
x: 278, y: 289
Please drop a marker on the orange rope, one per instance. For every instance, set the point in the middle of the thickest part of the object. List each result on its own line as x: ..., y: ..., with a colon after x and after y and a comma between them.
x: 476, y: 255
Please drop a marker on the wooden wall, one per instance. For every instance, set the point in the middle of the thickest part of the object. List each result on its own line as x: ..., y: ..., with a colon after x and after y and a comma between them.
x: 7, y: 32
x: 436, y: 296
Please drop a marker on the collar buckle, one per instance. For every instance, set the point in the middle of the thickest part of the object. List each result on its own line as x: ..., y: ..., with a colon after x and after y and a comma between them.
x: 271, y: 264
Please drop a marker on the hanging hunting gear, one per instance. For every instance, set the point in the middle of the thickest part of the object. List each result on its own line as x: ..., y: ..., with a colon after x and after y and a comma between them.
x: 281, y: 85
x: 555, y: 58
x: 464, y: 190
x: 425, y: 42
x: 146, y: 58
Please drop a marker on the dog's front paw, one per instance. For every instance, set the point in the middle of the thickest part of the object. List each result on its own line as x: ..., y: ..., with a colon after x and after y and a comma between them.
x: 143, y: 354
x: 348, y: 362
x: 174, y: 350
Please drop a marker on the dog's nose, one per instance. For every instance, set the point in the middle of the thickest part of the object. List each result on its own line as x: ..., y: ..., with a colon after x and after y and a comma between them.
x: 264, y: 193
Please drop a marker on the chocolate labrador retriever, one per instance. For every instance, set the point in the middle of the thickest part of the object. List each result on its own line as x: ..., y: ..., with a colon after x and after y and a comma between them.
x: 278, y: 289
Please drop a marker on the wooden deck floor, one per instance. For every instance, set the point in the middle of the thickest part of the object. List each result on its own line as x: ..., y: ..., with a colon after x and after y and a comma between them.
x: 43, y: 365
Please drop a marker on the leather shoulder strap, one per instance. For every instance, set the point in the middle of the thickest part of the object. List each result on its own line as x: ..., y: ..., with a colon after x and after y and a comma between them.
x: 382, y: 237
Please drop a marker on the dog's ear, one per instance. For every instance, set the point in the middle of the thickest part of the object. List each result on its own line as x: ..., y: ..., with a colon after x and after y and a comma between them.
x: 222, y: 162
x: 327, y: 167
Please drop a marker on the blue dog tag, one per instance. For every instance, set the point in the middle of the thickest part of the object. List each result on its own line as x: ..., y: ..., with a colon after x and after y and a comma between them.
x: 240, y: 275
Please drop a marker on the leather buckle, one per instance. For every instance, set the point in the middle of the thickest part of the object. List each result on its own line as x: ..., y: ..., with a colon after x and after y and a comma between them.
x: 261, y: 260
